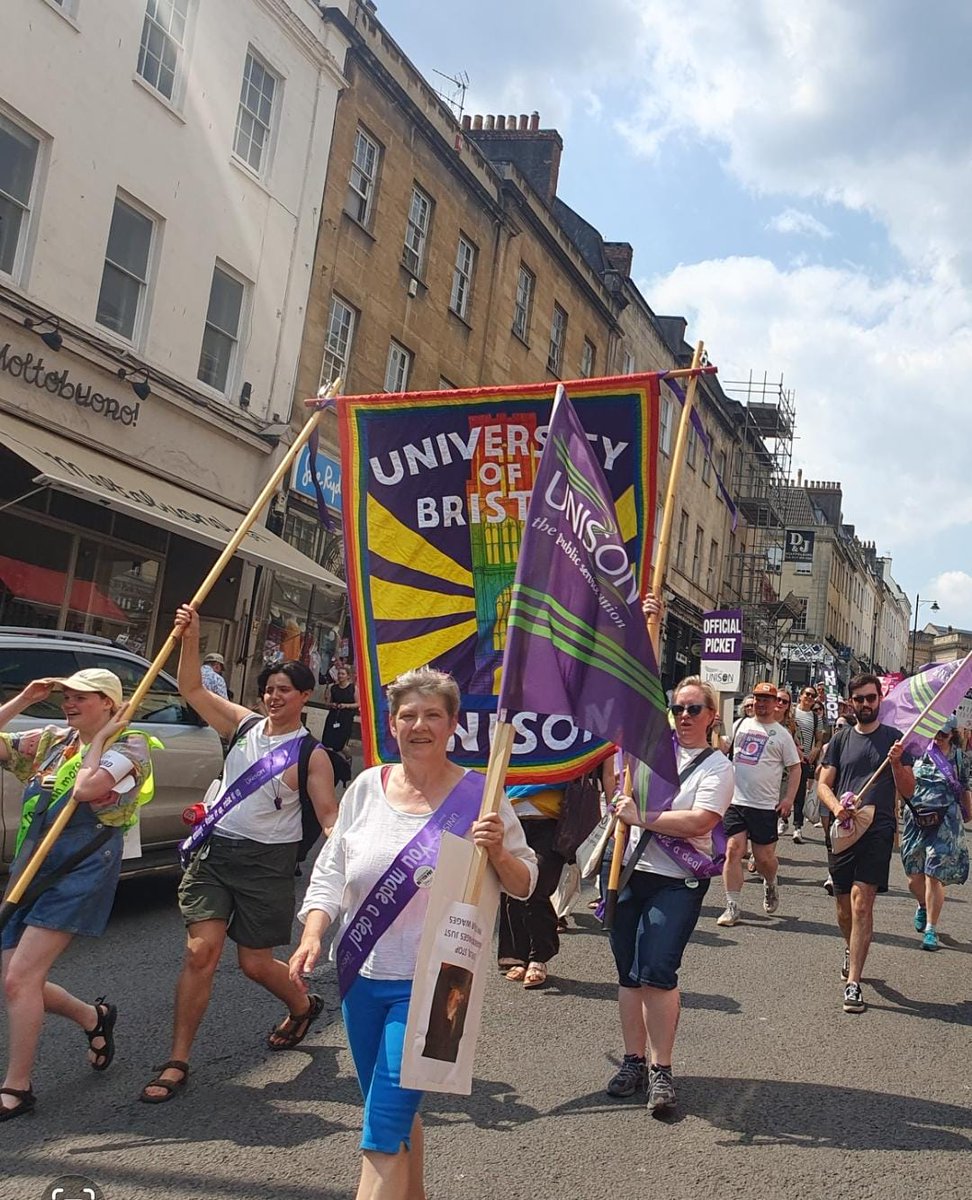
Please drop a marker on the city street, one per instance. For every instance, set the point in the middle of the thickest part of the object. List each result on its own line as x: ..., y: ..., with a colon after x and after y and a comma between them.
x: 781, y: 1093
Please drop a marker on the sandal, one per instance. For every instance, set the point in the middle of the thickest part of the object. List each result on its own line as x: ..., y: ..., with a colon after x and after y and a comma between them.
x: 170, y: 1086
x: 300, y: 1024
x: 27, y: 1101
x: 516, y: 974
x: 107, y: 1016
x: 535, y: 976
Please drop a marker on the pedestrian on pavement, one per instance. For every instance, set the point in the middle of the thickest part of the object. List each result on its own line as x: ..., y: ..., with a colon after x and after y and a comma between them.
x: 659, y: 906
x: 762, y: 751
x: 240, y: 880
x: 212, y: 675
x: 808, y: 735
x: 384, y: 813
x: 861, y: 871
x: 933, y: 846
x: 342, y: 704
x: 108, y: 779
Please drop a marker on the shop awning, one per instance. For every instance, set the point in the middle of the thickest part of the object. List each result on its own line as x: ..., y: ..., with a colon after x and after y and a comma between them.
x: 44, y: 586
x: 95, y: 477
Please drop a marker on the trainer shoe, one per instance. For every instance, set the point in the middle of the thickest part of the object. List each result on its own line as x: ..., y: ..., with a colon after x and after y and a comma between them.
x: 630, y: 1077
x: 828, y: 886
x: 853, y: 999
x: 930, y: 940
x: 797, y: 835
x: 845, y: 967
x: 781, y: 826
x: 751, y: 864
x: 921, y: 919
x: 661, y: 1091
x: 771, y: 897
x: 730, y: 916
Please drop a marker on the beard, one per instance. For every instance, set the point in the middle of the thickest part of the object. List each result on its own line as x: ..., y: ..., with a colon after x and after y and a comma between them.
x: 866, y: 715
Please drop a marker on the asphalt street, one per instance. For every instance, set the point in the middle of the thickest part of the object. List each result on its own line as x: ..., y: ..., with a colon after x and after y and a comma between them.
x: 781, y: 1094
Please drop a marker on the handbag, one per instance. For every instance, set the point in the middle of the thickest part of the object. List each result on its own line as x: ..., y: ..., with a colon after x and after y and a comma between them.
x: 926, y: 819
x: 590, y: 852
x: 579, y: 814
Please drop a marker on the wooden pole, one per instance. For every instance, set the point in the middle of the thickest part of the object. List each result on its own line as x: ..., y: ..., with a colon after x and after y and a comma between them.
x: 499, y: 761
x: 654, y: 622
x: 26, y: 876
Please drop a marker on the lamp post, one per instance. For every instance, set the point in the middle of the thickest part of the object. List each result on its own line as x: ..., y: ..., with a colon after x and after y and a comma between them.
x: 914, y: 632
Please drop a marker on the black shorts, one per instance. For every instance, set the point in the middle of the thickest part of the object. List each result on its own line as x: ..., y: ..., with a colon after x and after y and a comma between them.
x: 867, y: 861
x: 759, y: 824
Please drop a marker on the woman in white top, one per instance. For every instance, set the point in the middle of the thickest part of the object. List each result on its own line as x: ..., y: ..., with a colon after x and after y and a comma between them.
x: 385, y: 812
x: 659, y: 908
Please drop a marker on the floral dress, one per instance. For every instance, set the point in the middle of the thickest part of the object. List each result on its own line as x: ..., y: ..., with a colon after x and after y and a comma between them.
x: 943, y: 852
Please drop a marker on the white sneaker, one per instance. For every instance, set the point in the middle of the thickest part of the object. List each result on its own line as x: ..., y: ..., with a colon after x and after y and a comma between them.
x: 781, y: 826
x: 771, y: 897
x: 730, y: 916
x: 797, y: 836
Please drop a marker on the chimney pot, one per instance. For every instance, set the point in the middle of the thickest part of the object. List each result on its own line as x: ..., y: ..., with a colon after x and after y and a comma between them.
x: 501, y: 122
x: 490, y: 121
x: 524, y: 120
x: 478, y: 121
x: 467, y: 121
x: 534, y: 121
x: 511, y: 121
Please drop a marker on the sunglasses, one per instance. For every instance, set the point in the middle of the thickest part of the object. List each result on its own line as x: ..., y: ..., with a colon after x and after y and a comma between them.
x: 870, y: 698
x: 782, y: 700
x: 693, y: 710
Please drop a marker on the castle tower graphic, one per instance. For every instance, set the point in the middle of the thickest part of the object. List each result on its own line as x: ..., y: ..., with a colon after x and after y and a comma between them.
x: 503, y: 470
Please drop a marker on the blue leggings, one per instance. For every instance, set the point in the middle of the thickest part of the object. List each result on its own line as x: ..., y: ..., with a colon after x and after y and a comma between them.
x: 375, y: 1012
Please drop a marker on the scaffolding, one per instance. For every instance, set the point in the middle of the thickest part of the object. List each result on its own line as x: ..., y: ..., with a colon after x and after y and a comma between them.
x: 760, y: 480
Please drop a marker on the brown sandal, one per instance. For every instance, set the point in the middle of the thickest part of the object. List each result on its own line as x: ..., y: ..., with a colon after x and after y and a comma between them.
x: 516, y: 974
x: 535, y: 975
x: 300, y: 1024
x: 171, y: 1087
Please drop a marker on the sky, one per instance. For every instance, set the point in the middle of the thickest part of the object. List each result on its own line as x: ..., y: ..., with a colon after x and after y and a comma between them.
x: 796, y: 180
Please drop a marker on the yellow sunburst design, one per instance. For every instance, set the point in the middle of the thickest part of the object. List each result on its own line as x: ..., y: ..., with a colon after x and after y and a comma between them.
x: 388, y: 537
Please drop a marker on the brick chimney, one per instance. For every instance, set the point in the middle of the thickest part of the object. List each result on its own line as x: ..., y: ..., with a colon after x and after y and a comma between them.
x: 619, y: 256
x: 535, y: 152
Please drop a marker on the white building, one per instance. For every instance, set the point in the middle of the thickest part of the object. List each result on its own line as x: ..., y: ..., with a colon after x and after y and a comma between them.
x: 162, y: 164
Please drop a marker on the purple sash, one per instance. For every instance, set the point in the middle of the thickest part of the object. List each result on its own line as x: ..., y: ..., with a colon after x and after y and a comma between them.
x: 681, y: 851
x: 254, y: 777
x: 947, y: 769
x: 396, y: 888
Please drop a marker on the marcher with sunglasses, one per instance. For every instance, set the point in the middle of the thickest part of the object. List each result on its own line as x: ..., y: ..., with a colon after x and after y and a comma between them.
x: 861, y: 871
x: 762, y: 750
x: 659, y: 906
x: 936, y: 855
x: 808, y: 733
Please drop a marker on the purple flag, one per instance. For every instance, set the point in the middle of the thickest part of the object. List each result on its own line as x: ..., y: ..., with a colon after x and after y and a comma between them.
x: 576, y: 643
x: 943, y: 683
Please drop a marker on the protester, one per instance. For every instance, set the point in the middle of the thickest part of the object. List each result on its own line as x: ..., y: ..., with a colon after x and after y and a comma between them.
x: 342, y: 703
x: 762, y: 750
x: 659, y: 907
x: 240, y: 881
x: 745, y: 710
x: 936, y: 855
x: 108, y: 779
x: 212, y: 675
x: 861, y: 870
x: 808, y: 735
x: 383, y: 814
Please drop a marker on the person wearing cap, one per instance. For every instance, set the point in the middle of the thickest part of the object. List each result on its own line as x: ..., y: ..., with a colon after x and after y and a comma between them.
x: 762, y: 749
x: 106, y: 768
x: 936, y: 855
x: 213, y: 666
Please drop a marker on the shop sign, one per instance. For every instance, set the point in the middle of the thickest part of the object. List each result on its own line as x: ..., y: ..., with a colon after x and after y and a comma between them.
x: 328, y: 472
x: 799, y: 546
x: 33, y: 373
x: 722, y: 646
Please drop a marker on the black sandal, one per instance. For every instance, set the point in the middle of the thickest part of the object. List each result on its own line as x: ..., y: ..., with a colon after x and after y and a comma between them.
x: 104, y: 1029
x: 27, y: 1102
x: 300, y: 1024
x: 171, y: 1088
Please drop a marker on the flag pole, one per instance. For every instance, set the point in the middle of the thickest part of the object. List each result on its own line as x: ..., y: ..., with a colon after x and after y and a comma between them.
x: 19, y: 886
x: 654, y: 621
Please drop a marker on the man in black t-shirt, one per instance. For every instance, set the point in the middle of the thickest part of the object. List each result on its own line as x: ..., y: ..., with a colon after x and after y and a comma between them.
x: 861, y: 871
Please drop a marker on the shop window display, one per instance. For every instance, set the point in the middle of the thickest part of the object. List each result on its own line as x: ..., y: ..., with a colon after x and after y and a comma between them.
x: 303, y: 623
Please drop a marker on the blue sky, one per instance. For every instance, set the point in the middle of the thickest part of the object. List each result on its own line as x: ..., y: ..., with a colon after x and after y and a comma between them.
x: 795, y: 179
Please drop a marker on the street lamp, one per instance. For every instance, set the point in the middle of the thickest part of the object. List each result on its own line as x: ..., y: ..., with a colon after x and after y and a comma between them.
x: 914, y: 632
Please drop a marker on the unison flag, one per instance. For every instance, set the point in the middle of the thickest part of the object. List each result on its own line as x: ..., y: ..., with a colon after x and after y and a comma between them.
x: 576, y: 638
x: 943, y: 683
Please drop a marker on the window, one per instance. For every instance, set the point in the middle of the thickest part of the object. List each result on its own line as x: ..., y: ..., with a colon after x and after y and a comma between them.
x: 665, y: 426
x: 523, y: 308
x: 558, y: 338
x: 800, y: 621
x: 697, y: 553
x: 711, y: 579
x: 627, y: 363
x: 398, y: 368
x: 417, y: 231
x: 659, y: 521
x: 252, y: 141
x: 706, y: 469
x: 682, y: 541
x: 692, y: 449
x: 222, y: 332
x: 337, y: 341
x: 588, y: 358
x: 124, y: 281
x: 721, y: 466
x: 462, y: 278
x: 163, y: 41
x: 445, y: 385
x: 18, y: 164
x: 363, y: 180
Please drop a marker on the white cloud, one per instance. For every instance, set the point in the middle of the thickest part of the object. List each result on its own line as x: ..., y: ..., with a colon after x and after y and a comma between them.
x: 793, y: 220
x: 953, y: 591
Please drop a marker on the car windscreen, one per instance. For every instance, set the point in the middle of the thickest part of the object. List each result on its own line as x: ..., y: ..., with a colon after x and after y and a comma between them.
x: 20, y: 665
x: 162, y: 706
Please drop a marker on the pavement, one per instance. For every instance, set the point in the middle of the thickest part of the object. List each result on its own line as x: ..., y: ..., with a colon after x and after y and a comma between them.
x: 781, y: 1094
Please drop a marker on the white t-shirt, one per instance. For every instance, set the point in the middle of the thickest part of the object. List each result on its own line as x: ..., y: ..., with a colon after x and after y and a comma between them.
x: 709, y: 787
x: 759, y: 755
x: 258, y: 817
x: 807, y: 726
x: 367, y: 837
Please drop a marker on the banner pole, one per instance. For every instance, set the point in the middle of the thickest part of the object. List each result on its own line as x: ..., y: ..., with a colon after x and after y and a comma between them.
x: 499, y: 761
x: 654, y: 621
x: 17, y: 888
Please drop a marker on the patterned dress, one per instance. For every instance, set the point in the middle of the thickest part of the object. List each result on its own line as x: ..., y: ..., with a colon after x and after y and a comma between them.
x: 943, y: 852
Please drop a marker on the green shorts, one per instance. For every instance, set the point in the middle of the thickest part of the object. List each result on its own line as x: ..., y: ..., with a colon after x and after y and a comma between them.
x: 247, y: 884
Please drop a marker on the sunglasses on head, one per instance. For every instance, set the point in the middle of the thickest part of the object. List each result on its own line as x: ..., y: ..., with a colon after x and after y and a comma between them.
x: 870, y: 698
x: 693, y: 710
